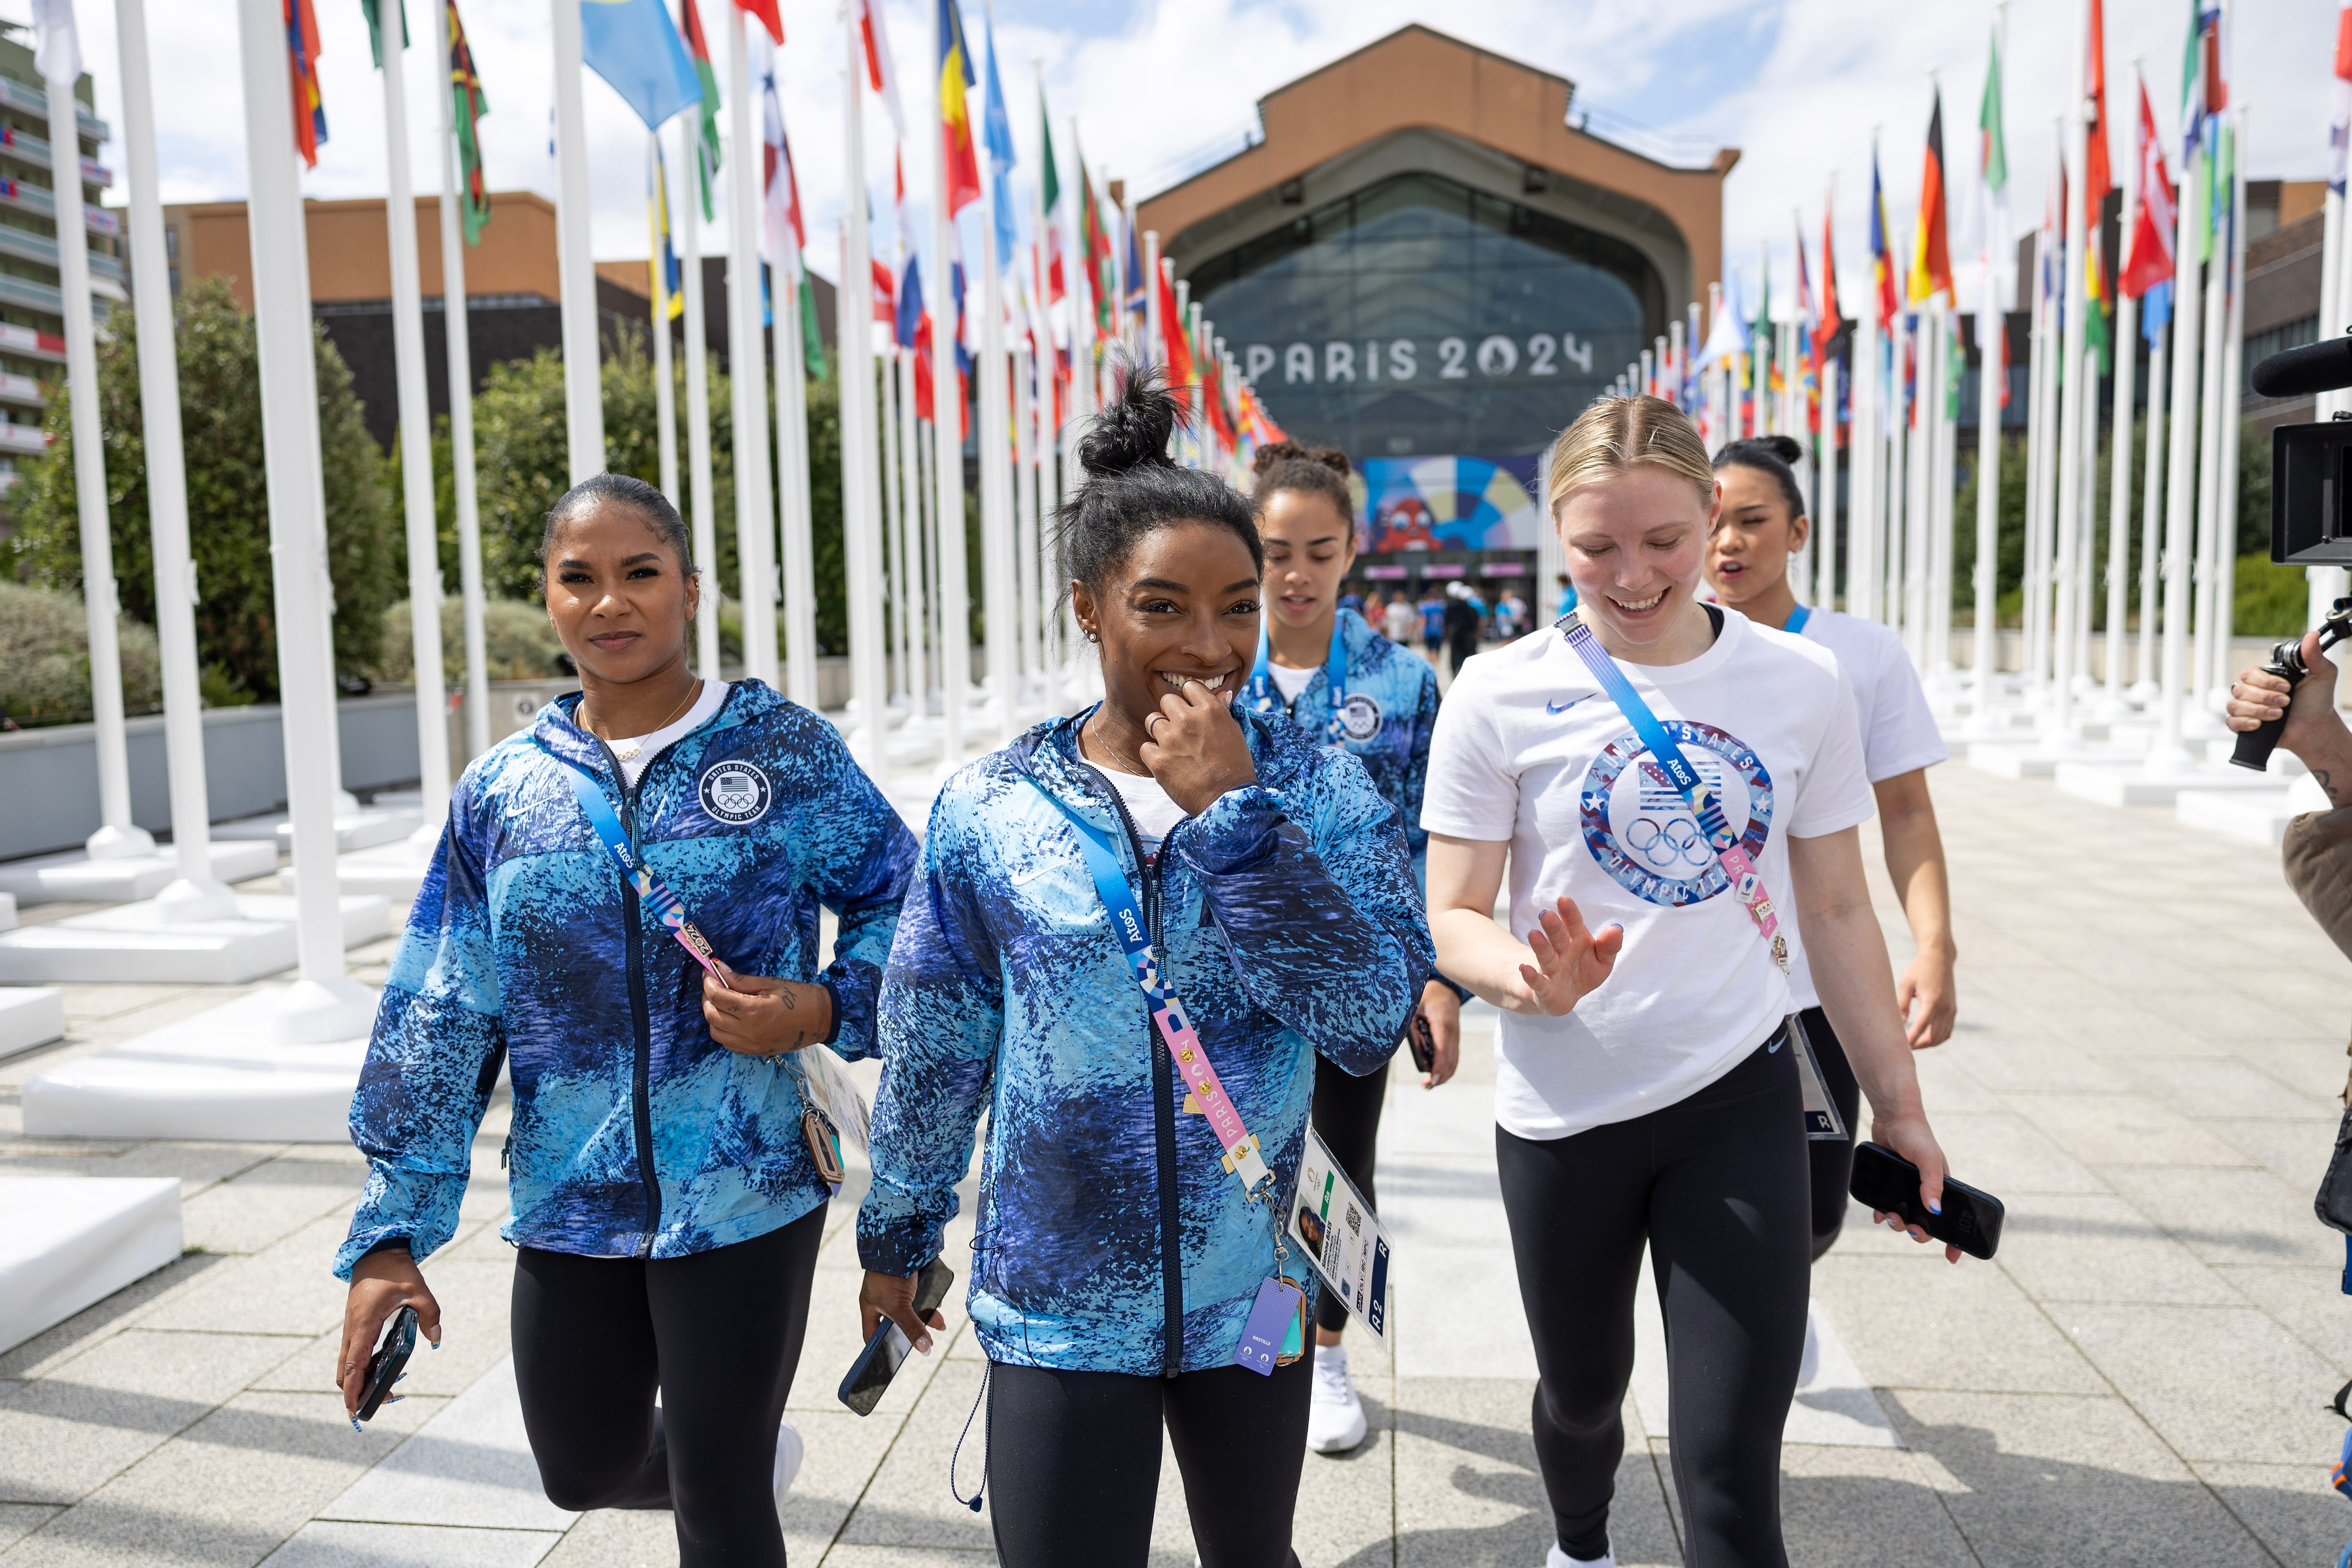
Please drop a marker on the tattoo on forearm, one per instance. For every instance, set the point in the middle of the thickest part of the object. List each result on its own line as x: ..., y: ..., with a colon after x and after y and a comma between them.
x: 2328, y: 784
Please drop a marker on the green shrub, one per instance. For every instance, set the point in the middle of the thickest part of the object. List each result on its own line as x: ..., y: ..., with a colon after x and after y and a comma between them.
x: 518, y: 643
x: 2268, y: 600
x: 44, y: 659
x: 228, y: 501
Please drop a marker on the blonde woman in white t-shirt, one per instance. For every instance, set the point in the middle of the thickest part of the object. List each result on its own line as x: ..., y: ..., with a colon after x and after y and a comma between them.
x: 1645, y: 1090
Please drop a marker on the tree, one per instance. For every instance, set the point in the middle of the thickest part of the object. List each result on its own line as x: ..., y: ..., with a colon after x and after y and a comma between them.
x: 228, y: 499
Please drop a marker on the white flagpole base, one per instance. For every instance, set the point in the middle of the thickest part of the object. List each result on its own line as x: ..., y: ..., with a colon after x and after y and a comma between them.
x: 114, y: 843
x: 30, y: 1016
x: 136, y: 944
x: 74, y: 876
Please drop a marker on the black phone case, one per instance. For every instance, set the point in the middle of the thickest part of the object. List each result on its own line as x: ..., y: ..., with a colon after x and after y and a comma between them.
x: 861, y: 1387
x: 1421, y: 1042
x: 1888, y: 1182
x: 388, y: 1362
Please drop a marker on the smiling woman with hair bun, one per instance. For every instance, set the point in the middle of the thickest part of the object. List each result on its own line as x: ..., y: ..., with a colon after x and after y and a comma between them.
x: 1240, y: 876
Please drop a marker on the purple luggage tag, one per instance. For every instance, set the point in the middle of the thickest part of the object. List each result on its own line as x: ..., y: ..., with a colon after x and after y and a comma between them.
x: 1270, y: 1321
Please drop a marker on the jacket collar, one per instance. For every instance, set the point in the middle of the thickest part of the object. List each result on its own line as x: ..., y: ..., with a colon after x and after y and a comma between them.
x: 555, y: 730
x: 1049, y: 755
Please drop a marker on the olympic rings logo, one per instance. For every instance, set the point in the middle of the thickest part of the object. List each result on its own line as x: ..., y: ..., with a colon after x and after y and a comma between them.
x: 1668, y: 843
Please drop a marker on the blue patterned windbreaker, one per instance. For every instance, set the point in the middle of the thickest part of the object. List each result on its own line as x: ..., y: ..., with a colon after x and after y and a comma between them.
x: 635, y: 1135
x: 1110, y: 1238
x: 1391, y: 705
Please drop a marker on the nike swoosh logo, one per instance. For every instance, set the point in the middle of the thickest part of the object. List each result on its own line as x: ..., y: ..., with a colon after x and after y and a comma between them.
x: 1033, y: 873
x: 1774, y: 1046
x: 1556, y: 709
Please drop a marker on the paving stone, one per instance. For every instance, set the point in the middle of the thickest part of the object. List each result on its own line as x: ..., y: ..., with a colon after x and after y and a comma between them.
x: 2231, y: 1216
x: 250, y: 1210
x: 2122, y: 1129
x: 2307, y: 1301
x: 627, y: 1538
x: 329, y: 1544
x: 227, y: 1491
x: 2291, y: 1508
x: 2206, y: 1087
x: 286, y: 1287
x: 468, y: 1466
x: 1987, y: 1336
x: 91, y: 1418
x: 18, y: 1519
x: 101, y: 1320
x: 2086, y: 1247
x: 2250, y: 1393
x: 1866, y: 1507
x: 2295, y: 1152
x: 2005, y: 1155
x: 2045, y: 1480
x: 909, y: 1504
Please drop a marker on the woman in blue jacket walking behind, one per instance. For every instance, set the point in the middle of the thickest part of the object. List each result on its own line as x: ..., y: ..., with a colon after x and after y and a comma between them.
x: 1090, y: 897
x: 670, y: 1161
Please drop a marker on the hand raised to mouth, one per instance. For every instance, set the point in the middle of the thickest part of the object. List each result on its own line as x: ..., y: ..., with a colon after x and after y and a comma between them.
x: 1195, y: 749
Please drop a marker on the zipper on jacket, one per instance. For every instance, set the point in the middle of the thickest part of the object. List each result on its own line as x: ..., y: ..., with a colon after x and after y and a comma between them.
x: 1163, y: 1101
x: 640, y: 1017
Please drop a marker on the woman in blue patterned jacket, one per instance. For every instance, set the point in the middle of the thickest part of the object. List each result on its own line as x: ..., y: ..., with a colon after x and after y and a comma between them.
x: 666, y: 1170
x: 1128, y: 1270
x: 1322, y: 667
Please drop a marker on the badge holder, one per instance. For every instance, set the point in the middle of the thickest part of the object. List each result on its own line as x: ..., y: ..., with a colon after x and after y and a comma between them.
x: 1822, y: 1122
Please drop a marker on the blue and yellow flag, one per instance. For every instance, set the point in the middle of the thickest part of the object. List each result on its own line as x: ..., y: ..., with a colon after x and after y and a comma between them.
x: 662, y: 268
x: 963, y: 167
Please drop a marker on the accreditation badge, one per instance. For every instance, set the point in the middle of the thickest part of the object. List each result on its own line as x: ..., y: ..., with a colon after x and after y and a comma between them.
x: 1342, y: 1235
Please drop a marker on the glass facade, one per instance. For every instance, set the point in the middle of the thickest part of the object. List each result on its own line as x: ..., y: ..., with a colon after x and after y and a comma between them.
x: 1421, y: 317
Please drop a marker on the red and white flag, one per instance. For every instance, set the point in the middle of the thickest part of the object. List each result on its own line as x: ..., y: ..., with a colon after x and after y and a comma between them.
x: 880, y: 70
x: 2147, y: 258
x: 2339, y: 123
x: 780, y: 207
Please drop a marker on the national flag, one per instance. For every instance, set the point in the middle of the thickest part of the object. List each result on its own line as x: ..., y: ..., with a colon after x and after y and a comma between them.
x: 765, y: 10
x: 961, y: 168
x: 779, y: 204
x: 2203, y: 92
x: 662, y: 268
x: 1101, y: 265
x: 1727, y: 337
x: 1882, y: 253
x: 1931, y: 251
x: 706, y: 159
x: 466, y: 92
x: 367, y: 8
x: 310, y: 108
x: 926, y: 397
x: 1136, y: 282
x: 1992, y: 183
x: 634, y: 46
x: 1761, y: 355
x: 910, y: 304
x: 56, y: 42
x: 885, y: 293
x: 2339, y: 122
x: 1174, y: 342
x: 881, y: 71
x: 1808, y: 365
x: 1049, y: 180
x: 997, y: 133
x: 811, y: 338
x: 2098, y: 179
x: 1831, y: 323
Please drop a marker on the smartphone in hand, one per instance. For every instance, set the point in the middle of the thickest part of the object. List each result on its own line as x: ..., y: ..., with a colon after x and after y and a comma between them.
x: 869, y: 1376
x: 1886, y: 1182
x: 1419, y: 1040
x: 384, y: 1367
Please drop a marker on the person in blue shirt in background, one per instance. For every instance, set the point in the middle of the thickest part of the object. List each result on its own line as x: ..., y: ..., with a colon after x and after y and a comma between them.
x: 668, y: 1192
x: 1432, y: 622
x: 1321, y: 667
x: 1120, y: 1250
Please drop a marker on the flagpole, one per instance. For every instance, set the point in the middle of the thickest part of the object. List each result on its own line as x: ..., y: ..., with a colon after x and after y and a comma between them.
x: 2166, y: 755
x: 2073, y: 398
x: 324, y: 1006
x: 1825, y: 525
x: 2113, y: 705
x: 1862, y: 512
x: 790, y: 315
x: 1024, y: 508
x: 458, y: 361
x: 2232, y: 377
x: 1947, y: 435
x: 697, y: 413
x: 1898, y: 423
x: 996, y: 546
x: 584, y: 404
x: 747, y: 368
x: 2048, y: 258
x: 2207, y: 649
x: 894, y: 530
x: 1918, y: 464
x: 665, y: 395
x: 907, y: 575
x: 415, y: 438
x: 860, y: 498
x: 117, y: 837
x: 196, y: 893
x: 954, y: 593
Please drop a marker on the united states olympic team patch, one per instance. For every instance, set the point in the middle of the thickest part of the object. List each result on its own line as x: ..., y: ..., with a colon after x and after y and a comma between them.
x: 735, y: 793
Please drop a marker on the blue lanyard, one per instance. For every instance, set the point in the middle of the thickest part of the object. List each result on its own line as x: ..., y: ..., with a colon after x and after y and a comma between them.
x: 1795, y: 624
x: 652, y: 892
x: 1243, y: 1155
x: 1264, y: 698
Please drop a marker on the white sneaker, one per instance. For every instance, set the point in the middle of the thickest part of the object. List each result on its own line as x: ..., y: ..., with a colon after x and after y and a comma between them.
x: 1808, y: 1364
x: 1335, y: 1421
x: 1558, y: 1558
x: 789, y: 1450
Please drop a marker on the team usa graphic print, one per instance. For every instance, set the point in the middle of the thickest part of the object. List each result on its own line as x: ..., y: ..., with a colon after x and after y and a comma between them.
x: 1642, y: 831
x: 735, y: 793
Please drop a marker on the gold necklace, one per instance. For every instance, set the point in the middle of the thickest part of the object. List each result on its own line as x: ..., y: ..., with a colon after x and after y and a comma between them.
x: 1108, y: 755
x: 629, y: 752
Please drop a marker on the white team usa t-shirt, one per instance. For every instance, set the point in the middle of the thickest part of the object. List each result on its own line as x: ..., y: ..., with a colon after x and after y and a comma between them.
x: 1899, y: 729
x: 1527, y: 749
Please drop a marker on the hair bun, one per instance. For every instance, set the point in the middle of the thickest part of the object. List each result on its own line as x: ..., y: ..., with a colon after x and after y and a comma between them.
x: 1132, y: 432
x: 1786, y: 449
x: 1271, y: 452
x: 1331, y: 457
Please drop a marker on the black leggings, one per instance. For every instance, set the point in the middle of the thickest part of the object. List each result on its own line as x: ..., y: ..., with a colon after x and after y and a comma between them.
x: 1346, y: 1115
x: 717, y: 1332
x: 1717, y: 1185
x: 1073, y: 1463
x: 1832, y: 1158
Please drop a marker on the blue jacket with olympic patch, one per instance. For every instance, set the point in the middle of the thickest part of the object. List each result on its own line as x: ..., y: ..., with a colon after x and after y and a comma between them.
x: 635, y: 1134
x: 1110, y: 1238
x: 1392, y: 707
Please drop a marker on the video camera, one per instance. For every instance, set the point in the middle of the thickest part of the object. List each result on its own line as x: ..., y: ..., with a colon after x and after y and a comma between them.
x: 2310, y: 506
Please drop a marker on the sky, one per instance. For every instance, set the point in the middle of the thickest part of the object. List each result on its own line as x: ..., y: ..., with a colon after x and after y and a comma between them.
x: 1161, y: 88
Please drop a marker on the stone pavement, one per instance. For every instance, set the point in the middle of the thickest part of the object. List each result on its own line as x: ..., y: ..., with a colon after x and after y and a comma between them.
x: 2151, y: 1040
